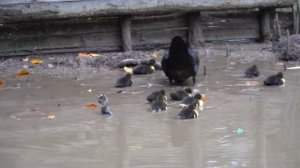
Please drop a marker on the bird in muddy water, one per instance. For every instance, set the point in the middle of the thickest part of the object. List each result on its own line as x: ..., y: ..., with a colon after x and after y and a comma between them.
x: 153, y: 96
x: 159, y: 104
x: 157, y: 65
x: 189, y: 112
x: 103, y: 100
x: 124, y: 81
x: 252, y: 72
x: 143, y: 69
x: 197, y: 98
x: 181, y: 94
x: 180, y: 62
x: 275, y: 80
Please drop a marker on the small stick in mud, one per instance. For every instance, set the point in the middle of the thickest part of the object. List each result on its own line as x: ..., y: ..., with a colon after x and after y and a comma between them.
x: 227, y: 51
x: 277, y: 28
x: 288, y: 43
x: 204, y: 70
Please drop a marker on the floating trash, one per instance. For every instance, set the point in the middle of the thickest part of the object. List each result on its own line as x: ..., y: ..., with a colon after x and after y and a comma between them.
x: 51, y: 117
x: 296, y: 67
x: 239, y: 131
x: 23, y: 72
x: 37, y: 61
x: 91, y: 106
x: 90, y: 90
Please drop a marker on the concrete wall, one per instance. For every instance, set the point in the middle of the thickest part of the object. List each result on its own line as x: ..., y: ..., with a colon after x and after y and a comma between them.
x: 147, y: 32
x: 21, y: 10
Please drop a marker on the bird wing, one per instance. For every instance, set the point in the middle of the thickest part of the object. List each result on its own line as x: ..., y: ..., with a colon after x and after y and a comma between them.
x: 270, y: 80
x: 164, y: 59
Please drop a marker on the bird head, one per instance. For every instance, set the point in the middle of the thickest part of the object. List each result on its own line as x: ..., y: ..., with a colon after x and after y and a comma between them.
x: 188, y: 90
x: 102, y: 99
x: 279, y: 75
x: 163, y: 92
x: 199, y: 97
x: 128, y: 75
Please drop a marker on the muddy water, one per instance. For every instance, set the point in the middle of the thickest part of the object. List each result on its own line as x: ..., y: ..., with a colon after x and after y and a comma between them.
x: 136, y: 138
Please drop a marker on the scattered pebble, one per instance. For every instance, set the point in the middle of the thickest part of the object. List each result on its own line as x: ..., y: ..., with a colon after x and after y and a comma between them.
x: 90, y: 90
x: 51, y: 66
x: 25, y: 66
x: 25, y: 59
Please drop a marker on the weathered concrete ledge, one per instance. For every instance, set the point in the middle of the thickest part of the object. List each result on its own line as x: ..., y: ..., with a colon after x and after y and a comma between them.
x: 22, y: 10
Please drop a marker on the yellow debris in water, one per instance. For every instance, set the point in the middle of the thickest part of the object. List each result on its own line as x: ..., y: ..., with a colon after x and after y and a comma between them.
x: 51, y: 117
x: 128, y: 70
x: 37, y: 61
x: 22, y: 72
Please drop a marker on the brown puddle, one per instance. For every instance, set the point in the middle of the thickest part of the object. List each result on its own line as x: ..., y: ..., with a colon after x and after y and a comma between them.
x: 136, y: 138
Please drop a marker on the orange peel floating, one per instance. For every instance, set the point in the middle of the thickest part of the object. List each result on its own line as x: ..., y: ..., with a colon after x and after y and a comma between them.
x: 51, y: 117
x: 84, y: 55
x: 23, y: 72
x: 37, y: 61
x: 88, y: 55
x: 91, y: 106
x: 1, y: 83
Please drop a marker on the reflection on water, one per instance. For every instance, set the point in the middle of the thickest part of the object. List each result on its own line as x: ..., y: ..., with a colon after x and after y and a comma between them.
x: 135, y: 137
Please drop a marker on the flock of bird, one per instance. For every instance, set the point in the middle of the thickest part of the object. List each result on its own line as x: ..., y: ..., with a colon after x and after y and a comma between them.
x: 178, y: 64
